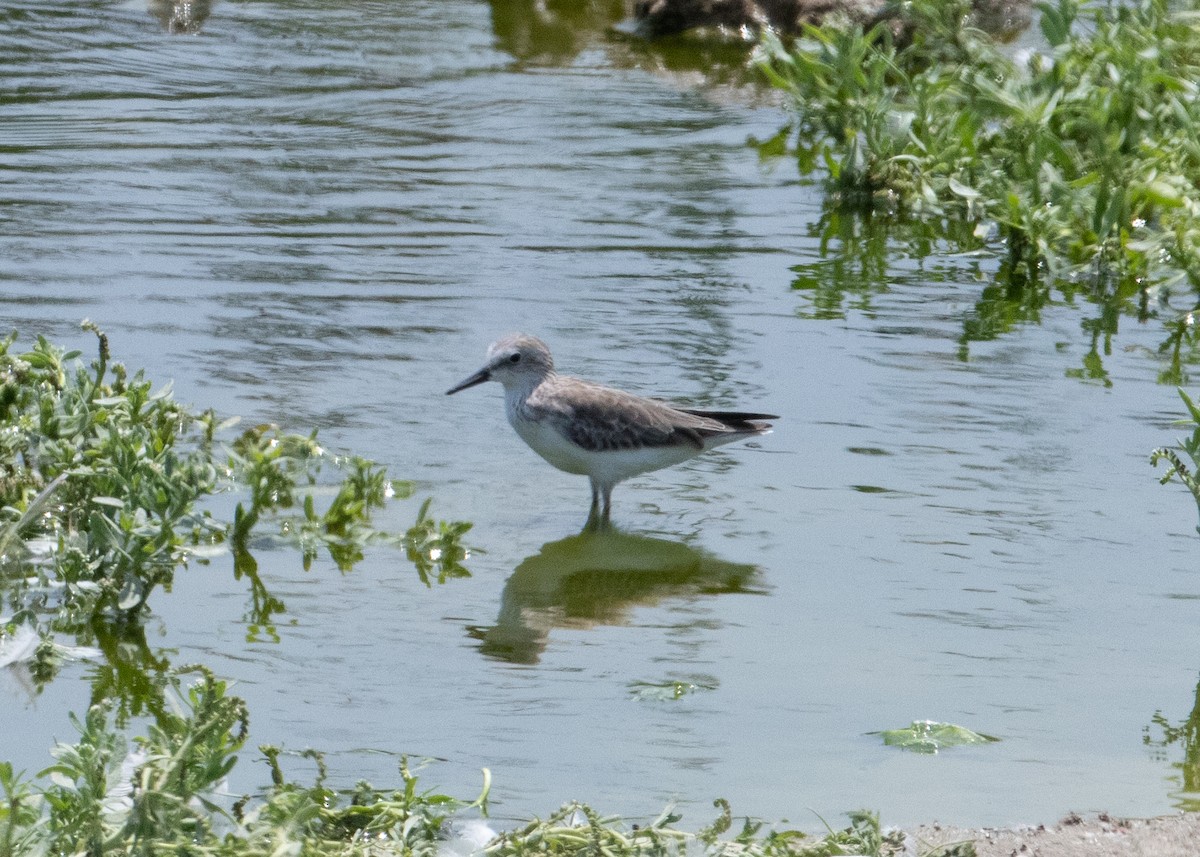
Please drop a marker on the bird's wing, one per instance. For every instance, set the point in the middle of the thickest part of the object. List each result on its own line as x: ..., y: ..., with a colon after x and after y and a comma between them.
x: 599, y: 419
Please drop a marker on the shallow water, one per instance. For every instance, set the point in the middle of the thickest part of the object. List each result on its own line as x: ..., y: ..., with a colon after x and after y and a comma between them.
x: 319, y: 215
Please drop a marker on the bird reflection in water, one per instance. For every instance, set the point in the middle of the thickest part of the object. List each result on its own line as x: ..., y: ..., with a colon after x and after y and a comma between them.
x: 552, y: 30
x: 597, y: 578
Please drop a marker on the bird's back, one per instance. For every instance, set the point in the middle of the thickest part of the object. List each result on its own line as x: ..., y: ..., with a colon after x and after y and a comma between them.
x: 599, y: 418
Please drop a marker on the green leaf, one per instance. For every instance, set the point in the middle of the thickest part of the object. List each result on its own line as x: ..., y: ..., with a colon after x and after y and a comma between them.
x: 163, y: 392
x: 963, y: 190
x: 1163, y: 194
x: 1192, y: 407
x: 930, y: 736
x: 1055, y: 22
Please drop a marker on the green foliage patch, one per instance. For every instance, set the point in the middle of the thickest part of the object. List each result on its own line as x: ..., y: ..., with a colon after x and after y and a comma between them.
x: 1083, y: 159
x: 166, y: 794
x: 105, y: 488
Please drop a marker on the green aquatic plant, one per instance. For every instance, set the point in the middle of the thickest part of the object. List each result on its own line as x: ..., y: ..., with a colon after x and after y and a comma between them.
x: 1081, y: 159
x: 435, y: 548
x: 100, y: 479
x: 107, y: 797
x: 930, y: 736
x: 578, y: 829
x: 1176, y: 468
x: 319, y: 819
x: 1181, y: 348
x: 281, y: 472
x: 167, y: 793
x: 106, y: 487
x: 865, y: 836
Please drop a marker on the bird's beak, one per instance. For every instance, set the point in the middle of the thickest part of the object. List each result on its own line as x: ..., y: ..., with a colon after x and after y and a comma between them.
x: 478, y: 378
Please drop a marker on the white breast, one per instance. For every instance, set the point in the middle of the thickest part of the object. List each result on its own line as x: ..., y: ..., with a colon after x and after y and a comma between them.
x: 552, y: 446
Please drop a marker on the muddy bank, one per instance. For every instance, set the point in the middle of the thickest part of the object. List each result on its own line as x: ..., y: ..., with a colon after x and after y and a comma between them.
x: 1100, y: 836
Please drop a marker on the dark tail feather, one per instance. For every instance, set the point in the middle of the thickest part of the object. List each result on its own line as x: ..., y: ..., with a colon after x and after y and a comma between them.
x: 736, y: 420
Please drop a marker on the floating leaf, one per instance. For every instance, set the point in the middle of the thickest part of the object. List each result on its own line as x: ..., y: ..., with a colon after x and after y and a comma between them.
x: 666, y: 691
x: 929, y: 736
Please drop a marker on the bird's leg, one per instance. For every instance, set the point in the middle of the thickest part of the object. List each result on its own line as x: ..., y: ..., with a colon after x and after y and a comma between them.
x: 593, y: 520
x: 605, y: 505
x: 601, y: 506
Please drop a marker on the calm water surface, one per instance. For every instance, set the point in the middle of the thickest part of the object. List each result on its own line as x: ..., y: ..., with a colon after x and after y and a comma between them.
x: 319, y: 214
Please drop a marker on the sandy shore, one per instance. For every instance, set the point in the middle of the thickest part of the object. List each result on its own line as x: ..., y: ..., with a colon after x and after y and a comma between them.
x: 1101, y: 836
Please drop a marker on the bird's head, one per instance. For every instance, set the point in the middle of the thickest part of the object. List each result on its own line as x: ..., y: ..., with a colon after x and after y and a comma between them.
x: 515, y: 361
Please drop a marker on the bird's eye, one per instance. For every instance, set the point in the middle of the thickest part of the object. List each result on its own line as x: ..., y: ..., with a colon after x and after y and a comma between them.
x: 516, y: 358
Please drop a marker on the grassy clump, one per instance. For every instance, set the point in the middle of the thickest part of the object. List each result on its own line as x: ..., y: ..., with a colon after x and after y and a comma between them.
x: 1082, y: 159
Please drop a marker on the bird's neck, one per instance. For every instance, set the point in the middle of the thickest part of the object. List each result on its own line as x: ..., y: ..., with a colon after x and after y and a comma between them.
x: 516, y: 396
